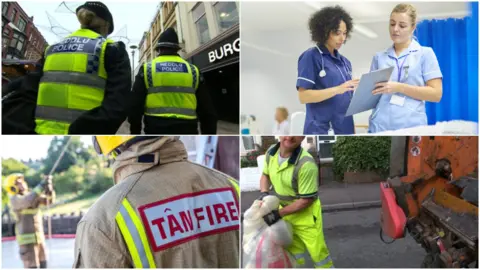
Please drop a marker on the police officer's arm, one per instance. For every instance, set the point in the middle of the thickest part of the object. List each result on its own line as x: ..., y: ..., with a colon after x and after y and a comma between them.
x: 307, y: 189
x: 107, y: 118
x: 206, y: 113
x: 307, y: 73
x: 95, y: 248
x: 139, y: 96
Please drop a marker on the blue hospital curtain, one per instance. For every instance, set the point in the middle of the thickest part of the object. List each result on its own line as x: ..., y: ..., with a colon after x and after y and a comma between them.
x: 455, y: 43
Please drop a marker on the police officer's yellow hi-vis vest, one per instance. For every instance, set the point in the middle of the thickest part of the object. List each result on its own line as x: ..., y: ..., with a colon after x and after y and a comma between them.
x: 73, y: 81
x: 171, y: 83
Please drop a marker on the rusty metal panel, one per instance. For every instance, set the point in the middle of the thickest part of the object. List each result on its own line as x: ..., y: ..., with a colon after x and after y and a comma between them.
x: 398, y: 156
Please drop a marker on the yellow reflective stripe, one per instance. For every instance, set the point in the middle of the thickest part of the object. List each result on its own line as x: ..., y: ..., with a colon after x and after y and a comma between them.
x: 141, y: 232
x: 30, y: 211
x: 25, y: 239
x: 128, y: 239
x: 135, y: 236
x: 235, y: 185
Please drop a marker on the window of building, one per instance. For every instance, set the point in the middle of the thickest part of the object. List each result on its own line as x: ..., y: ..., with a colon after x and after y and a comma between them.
x: 21, y: 24
x: 201, y: 23
x: 18, y: 41
x: 227, y: 14
x: 5, y: 6
x: 13, y: 15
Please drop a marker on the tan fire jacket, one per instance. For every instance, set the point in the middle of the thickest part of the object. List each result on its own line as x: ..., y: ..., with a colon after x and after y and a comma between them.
x: 163, y: 212
x: 29, y: 224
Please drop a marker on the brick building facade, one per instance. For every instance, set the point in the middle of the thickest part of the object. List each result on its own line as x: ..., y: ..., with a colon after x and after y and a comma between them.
x: 20, y: 37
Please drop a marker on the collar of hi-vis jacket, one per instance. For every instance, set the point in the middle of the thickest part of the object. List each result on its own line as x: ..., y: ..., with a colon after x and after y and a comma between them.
x: 144, y: 155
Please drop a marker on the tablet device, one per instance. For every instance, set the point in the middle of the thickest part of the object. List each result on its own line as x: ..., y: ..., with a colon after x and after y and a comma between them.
x: 363, y: 99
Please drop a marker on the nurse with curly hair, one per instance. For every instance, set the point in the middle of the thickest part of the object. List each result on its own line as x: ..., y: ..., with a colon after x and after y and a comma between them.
x: 324, y: 81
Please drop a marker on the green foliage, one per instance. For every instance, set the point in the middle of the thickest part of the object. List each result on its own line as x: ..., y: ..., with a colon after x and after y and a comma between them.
x: 11, y: 165
x: 250, y: 160
x: 361, y: 154
x: 75, y: 152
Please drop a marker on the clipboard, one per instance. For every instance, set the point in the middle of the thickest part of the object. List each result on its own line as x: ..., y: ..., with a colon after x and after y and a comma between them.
x: 363, y: 99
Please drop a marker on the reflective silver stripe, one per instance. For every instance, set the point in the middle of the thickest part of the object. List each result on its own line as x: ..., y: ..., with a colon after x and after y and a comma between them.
x: 296, y: 171
x: 284, y: 197
x: 77, y: 78
x: 171, y: 89
x: 57, y: 114
x: 189, y: 112
x: 135, y: 236
x: 299, y: 256
x: 324, y: 261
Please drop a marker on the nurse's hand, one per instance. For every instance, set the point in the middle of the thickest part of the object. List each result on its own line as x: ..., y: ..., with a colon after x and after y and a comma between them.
x: 348, y: 86
x: 387, y: 88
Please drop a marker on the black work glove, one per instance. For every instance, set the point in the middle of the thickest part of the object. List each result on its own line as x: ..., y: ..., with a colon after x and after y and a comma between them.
x: 263, y: 195
x: 272, y: 217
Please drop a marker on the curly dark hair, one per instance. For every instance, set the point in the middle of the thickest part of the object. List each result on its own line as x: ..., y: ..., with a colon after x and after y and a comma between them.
x: 326, y: 20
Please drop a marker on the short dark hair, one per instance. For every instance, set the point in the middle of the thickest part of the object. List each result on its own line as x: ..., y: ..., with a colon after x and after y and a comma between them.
x: 326, y: 20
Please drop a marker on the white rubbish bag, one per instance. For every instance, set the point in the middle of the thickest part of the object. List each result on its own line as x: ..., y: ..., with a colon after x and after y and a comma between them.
x: 263, y: 245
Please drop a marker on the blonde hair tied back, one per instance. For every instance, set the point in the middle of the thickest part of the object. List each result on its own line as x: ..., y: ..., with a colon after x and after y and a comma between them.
x: 89, y: 20
x: 406, y: 8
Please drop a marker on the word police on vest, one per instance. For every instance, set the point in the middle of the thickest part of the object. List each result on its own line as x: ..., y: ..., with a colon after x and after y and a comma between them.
x: 224, y: 51
x: 75, y: 44
x: 171, y: 67
x: 189, y: 216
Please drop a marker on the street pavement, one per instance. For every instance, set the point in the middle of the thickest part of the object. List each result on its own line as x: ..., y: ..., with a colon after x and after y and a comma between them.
x: 354, y: 242
x: 60, y: 254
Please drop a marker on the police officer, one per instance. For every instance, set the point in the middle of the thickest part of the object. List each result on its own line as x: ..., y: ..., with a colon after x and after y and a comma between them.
x: 170, y: 94
x: 86, y: 79
x: 299, y: 201
x: 163, y: 212
x: 29, y: 225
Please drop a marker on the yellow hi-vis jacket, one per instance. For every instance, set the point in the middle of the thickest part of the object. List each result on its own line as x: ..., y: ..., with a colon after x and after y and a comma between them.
x: 73, y: 81
x: 171, y: 83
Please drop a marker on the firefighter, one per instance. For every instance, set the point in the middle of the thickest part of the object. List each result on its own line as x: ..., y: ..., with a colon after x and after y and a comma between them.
x: 170, y: 94
x: 299, y: 201
x: 29, y: 224
x: 162, y: 212
x: 86, y: 79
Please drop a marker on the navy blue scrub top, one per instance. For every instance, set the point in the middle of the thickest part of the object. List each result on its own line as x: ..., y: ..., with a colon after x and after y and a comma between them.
x: 338, y: 70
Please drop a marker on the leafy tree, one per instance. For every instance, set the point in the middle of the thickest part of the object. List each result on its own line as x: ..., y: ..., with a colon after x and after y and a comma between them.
x: 12, y: 165
x: 73, y: 154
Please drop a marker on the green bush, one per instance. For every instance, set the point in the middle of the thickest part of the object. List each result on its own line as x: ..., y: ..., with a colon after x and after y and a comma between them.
x: 250, y: 160
x: 361, y: 154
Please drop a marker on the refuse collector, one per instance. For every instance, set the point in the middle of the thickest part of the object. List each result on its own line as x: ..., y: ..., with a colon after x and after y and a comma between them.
x: 293, y: 173
x: 86, y: 80
x: 28, y: 218
x: 162, y: 212
x: 171, y: 95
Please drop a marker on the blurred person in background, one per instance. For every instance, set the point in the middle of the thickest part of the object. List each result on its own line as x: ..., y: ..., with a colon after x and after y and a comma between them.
x: 281, y: 126
x: 28, y: 217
